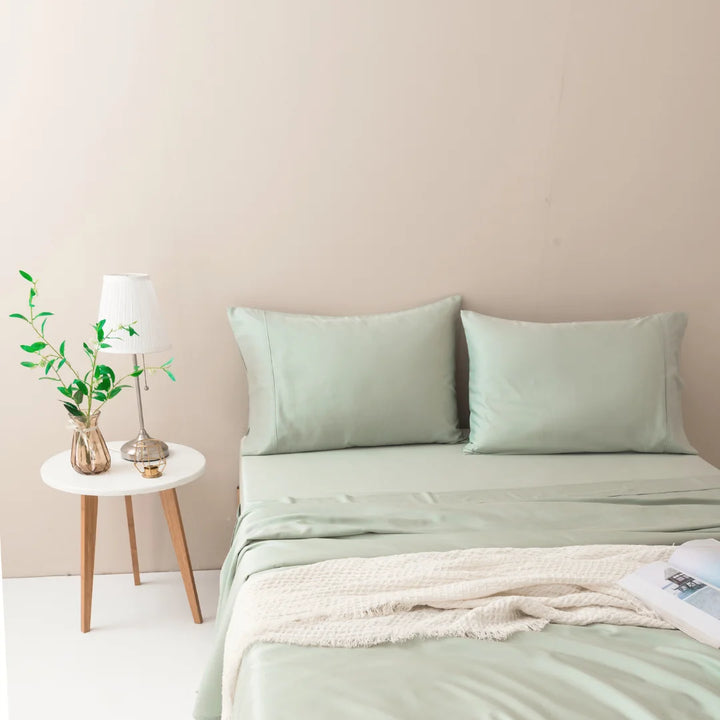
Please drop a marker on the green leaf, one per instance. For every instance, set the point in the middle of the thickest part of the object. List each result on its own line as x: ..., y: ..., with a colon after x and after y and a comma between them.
x: 62, y: 348
x: 105, y: 370
x: 87, y: 350
x: 100, y: 396
x: 137, y: 372
x: 105, y: 345
x: 60, y: 364
x: 19, y: 317
x: 67, y: 392
x: 104, y: 384
x: 72, y: 409
x: 27, y: 276
x: 49, y: 378
x: 27, y: 363
x: 99, y: 332
x: 33, y: 293
x: 81, y: 386
x: 49, y: 365
x: 43, y: 314
x: 131, y: 331
x: 78, y: 396
x: 167, y: 363
x: 115, y: 391
x: 169, y: 374
x: 35, y: 347
x: 42, y: 326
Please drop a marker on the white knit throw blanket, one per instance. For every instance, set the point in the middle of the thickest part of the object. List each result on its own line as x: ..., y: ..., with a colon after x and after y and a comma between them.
x: 487, y: 594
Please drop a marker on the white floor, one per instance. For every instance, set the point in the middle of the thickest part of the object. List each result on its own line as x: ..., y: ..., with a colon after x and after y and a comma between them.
x: 142, y: 659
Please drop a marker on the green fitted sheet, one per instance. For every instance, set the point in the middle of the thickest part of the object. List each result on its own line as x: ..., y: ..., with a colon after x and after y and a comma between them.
x: 562, y: 672
x: 443, y: 468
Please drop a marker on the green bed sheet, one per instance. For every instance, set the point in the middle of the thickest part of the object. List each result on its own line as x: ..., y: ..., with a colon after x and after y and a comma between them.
x: 562, y: 672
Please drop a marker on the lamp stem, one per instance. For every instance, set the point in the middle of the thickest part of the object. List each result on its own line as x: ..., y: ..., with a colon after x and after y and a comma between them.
x: 139, y: 397
x: 129, y: 449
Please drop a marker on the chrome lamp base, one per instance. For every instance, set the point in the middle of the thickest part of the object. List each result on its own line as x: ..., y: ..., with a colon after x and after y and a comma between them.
x: 129, y: 449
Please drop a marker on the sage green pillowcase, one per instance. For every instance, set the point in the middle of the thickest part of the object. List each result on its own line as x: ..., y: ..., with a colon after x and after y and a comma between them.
x: 320, y: 383
x: 575, y: 387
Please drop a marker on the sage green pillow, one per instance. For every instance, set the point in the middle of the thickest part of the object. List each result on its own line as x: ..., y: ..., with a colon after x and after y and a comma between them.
x: 575, y: 387
x: 320, y: 383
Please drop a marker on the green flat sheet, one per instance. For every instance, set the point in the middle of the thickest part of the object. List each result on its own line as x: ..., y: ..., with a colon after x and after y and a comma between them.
x: 563, y: 672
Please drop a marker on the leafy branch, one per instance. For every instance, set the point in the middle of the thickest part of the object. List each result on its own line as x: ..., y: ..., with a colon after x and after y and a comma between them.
x: 99, y: 383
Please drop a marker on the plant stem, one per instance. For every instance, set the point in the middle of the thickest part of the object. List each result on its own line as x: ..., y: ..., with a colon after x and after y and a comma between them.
x: 92, y: 380
x: 31, y: 322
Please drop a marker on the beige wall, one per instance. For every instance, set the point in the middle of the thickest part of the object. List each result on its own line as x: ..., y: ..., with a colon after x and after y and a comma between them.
x: 549, y: 160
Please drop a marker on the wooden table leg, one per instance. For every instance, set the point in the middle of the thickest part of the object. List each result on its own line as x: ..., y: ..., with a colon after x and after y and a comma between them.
x: 133, y: 541
x: 177, y: 533
x: 88, y: 522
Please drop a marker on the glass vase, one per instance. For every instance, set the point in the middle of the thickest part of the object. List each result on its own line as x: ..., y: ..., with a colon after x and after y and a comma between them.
x: 89, y: 452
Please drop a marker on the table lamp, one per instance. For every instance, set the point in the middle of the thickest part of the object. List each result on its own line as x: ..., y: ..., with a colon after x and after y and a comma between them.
x: 127, y: 299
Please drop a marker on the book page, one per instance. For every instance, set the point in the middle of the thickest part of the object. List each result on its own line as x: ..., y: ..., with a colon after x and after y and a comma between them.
x: 699, y: 558
x: 692, y: 591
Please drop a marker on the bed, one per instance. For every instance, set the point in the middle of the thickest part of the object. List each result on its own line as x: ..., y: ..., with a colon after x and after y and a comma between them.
x: 386, y: 566
x: 301, y: 508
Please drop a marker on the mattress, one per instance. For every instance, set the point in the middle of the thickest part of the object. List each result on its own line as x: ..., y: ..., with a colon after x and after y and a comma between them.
x: 439, y: 468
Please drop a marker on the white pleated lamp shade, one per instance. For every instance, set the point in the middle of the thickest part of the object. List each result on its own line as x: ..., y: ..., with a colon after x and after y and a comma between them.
x: 127, y: 299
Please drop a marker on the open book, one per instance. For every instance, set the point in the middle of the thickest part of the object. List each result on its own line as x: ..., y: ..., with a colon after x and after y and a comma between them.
x: 685, y: 591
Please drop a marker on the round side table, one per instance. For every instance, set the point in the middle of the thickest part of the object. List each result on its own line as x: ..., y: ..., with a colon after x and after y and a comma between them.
x: 184, y: 464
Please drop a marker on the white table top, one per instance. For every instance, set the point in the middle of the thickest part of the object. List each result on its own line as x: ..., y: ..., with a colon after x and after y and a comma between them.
x: 184, y: 464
